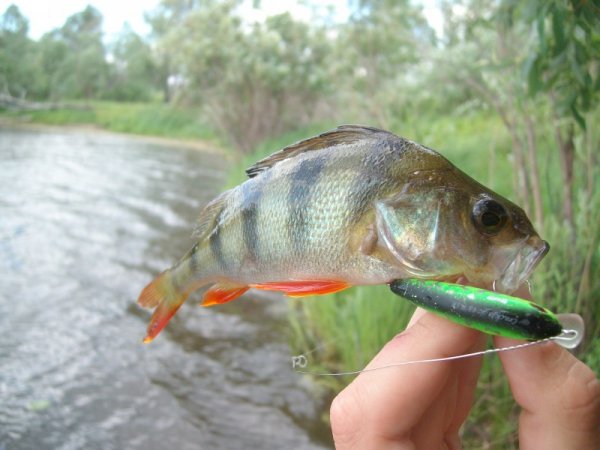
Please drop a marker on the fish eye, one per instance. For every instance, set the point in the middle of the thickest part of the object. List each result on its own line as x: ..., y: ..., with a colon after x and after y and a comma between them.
x: 489, y: 216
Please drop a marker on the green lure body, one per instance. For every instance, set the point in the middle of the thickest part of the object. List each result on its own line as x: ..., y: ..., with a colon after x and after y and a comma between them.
x: 486, y: 311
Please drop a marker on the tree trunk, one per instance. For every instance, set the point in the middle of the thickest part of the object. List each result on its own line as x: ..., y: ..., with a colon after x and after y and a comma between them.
x: 566, y: 152
x: 534, y: 173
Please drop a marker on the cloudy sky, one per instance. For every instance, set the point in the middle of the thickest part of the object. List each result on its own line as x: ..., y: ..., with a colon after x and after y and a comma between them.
x: 45, y: 15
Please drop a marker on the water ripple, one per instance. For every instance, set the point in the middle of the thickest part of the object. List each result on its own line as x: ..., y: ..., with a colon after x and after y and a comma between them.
x: 86, y: 219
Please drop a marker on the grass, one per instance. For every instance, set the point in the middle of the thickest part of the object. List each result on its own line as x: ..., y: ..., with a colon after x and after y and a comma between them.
x: 343, y: 331
x: 153, y: 119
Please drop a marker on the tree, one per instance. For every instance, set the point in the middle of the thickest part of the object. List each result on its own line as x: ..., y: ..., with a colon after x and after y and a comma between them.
x: 52, y: 53
x: 133, y: 72
x: 252, y: 80
x: 74, y: 56
x: 164, y: 19
x: 18, y: 72
x: 562, y: 65
x: 376, y: 53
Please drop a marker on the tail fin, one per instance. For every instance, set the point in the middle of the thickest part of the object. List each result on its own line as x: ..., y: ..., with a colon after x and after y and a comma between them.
x: 161, y: 293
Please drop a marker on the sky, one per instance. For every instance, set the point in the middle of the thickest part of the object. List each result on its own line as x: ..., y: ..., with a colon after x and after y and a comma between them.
x: 45, y: 15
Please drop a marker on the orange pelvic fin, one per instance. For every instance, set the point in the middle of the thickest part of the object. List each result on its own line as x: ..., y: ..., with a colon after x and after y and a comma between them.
x: 222, y: 293
x: 161, y: 292
x: 304, y: 288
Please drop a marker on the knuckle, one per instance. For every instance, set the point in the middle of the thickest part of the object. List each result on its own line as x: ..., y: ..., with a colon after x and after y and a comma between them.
x: 581, y: 395
x: 345, y: 412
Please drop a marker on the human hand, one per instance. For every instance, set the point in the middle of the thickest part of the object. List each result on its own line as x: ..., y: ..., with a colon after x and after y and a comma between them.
x: 416, y: 406
x: 423, y: 406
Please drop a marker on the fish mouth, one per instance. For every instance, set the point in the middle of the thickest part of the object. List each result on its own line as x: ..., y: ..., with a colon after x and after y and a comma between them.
x: 521, y: 267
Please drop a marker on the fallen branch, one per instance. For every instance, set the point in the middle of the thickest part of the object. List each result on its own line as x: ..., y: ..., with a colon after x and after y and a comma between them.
x: 18, y: 104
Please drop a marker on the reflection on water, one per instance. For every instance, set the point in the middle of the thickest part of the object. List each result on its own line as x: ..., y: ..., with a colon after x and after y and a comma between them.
x: 86, y: 220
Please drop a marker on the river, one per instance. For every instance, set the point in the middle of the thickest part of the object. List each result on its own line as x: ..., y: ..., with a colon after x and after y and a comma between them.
x: 87, y: 219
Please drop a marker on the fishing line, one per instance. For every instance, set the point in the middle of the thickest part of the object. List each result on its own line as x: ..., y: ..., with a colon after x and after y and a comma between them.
x: 566, y: 335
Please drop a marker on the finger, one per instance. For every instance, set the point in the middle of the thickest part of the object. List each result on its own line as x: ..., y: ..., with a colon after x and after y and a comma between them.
x: 468, y: 375
x: 467, y: 379
x: 386, y: 404
x: 560, y: 397
x: 446, y: 415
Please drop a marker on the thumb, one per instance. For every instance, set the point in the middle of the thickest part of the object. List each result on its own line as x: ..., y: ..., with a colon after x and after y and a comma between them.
x: 559, y: 396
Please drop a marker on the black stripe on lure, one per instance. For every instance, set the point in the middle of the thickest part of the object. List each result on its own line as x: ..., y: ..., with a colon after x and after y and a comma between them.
x: 487, y: 311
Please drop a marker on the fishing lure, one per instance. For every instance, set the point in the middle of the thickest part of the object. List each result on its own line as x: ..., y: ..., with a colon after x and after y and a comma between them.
x: 487, y: 311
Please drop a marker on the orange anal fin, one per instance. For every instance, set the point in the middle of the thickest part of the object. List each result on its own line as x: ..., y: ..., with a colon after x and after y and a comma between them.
x: 222, y: 293
x: 304, y: 288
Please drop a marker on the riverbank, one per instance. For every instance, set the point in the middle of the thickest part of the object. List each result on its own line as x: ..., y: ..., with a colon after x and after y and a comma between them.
x: 207, y: 146
x: 150, y: 121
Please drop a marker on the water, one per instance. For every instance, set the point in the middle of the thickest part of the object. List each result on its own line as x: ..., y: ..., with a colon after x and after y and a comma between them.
x: 86, y: 220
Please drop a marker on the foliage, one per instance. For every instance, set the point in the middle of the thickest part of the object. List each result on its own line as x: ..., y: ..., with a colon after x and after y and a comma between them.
x: 82, y: 71
x: 133, y: 74
x: 374, y: 56
x: 565, y: 52
x: 72, y: 62
x: 262, y: 79
x: 16, y: 79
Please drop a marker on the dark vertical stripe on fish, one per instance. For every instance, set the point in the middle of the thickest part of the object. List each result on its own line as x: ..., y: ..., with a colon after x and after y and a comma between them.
x: 216, y: 245
x: 396, y: 145
x: 303, y: 179
x: 251, y: 195
x: 372, y: 173
x: 193, y: 261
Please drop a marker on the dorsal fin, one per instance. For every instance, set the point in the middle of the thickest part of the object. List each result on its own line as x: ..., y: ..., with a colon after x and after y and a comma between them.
x: 209, y: 215
x: 344, y: 134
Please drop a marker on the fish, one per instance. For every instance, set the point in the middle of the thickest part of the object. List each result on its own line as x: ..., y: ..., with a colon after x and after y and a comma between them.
x: 355, y: 205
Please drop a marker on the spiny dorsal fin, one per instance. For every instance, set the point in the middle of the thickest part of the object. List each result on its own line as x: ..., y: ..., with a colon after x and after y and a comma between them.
x: 209, y: 215
x: 344, y: 134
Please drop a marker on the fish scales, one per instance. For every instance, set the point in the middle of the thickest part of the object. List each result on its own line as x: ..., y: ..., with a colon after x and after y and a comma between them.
x: 319, y: 212
x: 326, y: 195
x: 352, y: 206
x: 216, y: 245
